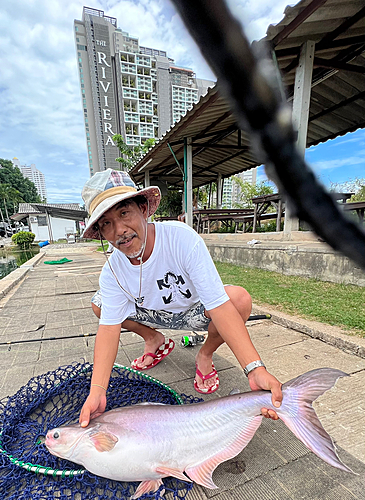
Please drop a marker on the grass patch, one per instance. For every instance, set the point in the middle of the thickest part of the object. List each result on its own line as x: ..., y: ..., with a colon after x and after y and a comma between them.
x: 331, y: 303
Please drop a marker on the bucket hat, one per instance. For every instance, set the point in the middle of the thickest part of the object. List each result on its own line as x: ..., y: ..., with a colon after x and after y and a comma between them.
x: 107, y: 188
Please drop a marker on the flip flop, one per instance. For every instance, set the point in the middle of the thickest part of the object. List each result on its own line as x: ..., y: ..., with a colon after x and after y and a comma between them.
x: 208, y: 390
x: 161, y: 353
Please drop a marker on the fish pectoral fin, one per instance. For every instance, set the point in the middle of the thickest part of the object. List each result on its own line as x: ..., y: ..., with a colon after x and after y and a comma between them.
x: 170, y: 471
x: 103, y: 441
x: 147, y: 487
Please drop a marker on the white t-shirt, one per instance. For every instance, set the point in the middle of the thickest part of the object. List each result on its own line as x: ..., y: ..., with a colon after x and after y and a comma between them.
x: 179, y: 273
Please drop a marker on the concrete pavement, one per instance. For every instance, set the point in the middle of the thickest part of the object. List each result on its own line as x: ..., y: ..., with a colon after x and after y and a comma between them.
x: 54, y: 302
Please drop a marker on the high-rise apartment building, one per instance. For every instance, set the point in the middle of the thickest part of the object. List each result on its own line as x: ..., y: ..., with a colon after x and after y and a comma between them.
x: 34, y: 175
x: 231, y: 190
x: 127, y: 89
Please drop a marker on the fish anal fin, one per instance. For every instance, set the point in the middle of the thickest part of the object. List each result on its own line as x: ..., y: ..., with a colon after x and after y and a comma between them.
x: 170, y: 471
x: 202, y: 473
x: 103, y: 441
x: 147, y: 487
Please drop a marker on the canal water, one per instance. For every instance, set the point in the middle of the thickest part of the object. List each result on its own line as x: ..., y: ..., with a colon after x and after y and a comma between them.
x: 11, y: 259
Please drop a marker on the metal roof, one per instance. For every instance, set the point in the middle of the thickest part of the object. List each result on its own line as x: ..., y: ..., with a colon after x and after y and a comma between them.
x: 70, y: 211
x: 337, y: 99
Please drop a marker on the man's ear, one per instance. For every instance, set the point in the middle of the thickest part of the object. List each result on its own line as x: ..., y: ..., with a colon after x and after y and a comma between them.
x: 144, y: 209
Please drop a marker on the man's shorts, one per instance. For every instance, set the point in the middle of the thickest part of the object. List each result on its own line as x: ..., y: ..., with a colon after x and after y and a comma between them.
x: 191, y: 319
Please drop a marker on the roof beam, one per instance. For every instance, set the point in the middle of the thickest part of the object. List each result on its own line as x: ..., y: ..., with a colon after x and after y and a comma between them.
x: 334, y: 44
x: 297, y: 21
x: 330, y: 63
x: 339, y: 105
x: 342, y: 28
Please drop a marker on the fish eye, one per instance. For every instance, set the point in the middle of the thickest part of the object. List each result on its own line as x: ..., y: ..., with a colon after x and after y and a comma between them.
x: 56, y: 435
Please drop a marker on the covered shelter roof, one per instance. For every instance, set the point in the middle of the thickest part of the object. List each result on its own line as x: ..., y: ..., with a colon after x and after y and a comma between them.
x: 337, y: 104
x: 71, y: 211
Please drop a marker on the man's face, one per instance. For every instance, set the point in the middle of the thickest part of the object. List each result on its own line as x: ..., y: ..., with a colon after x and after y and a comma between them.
x: 125, y: 227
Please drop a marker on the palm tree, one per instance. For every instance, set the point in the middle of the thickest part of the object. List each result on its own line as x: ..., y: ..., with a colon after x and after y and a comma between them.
x: 15, y: 197
x: 4, y: 195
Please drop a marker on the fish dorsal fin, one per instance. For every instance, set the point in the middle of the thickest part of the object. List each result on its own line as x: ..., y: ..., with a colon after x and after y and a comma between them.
x: 103, y: 441
x: 169, y: 471
x: 202, y: 473
x: 147, y: 487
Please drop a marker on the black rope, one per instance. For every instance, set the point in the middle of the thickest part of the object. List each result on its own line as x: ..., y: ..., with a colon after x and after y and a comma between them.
x: 249, y: 80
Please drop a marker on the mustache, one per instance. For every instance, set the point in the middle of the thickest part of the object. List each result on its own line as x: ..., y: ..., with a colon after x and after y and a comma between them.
x: 128, y: 237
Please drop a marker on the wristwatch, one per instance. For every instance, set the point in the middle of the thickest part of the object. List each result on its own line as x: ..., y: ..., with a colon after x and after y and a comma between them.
x: 251, y: 366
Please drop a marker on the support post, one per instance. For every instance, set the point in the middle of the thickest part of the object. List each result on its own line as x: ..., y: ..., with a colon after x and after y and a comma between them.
x: 147, y: 178
x: 188, y: 180
x: 219, y: 190
x: 301, y: 103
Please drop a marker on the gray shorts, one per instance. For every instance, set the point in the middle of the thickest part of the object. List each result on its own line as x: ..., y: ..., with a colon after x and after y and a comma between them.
x: 191, y: 319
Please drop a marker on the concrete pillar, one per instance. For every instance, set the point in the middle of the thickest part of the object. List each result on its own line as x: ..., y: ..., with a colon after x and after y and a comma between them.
x: 147, y: 178
x: 301, y: 102
x: 188, y: 182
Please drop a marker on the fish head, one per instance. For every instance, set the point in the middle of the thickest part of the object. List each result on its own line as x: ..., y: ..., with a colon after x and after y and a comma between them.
x: 61, y: 441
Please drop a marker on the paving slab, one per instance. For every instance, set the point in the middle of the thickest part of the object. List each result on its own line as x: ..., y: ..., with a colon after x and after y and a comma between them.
x: 51, y: 307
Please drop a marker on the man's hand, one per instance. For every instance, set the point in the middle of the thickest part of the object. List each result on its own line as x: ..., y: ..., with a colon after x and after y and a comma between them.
x: 93, y: 407
x: 260, y: 378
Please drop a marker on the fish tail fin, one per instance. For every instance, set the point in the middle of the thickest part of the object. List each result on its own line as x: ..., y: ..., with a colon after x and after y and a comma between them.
x: 298, y: 414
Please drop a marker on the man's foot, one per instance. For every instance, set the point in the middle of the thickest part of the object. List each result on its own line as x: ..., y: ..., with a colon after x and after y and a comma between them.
x: 206, y: 377
x: 154, y: 352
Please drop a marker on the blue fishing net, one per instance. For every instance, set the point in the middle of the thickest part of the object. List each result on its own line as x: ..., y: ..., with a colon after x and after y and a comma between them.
x: 56, y: 399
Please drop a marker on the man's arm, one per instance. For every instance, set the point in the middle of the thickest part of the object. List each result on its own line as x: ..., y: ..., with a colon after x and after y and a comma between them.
x: 233, y: 331
x: 105, y: 352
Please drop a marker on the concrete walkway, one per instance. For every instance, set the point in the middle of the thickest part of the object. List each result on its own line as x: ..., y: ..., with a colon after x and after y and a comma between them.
x: 54, y: 302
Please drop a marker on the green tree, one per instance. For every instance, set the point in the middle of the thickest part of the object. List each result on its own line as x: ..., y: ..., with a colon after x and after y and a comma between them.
x: 356, y: 186
x: 171, y: 204
x: 249, y: 191
x: 12, y: 176
x: 129, y: 155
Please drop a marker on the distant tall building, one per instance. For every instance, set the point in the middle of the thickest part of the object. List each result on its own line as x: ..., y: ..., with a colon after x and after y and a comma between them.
x: 34, y: 175
x: 231, y: 189
x: 127, y: 89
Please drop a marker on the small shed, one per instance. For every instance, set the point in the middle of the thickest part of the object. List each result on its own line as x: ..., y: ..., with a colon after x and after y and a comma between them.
x: 51, y: 221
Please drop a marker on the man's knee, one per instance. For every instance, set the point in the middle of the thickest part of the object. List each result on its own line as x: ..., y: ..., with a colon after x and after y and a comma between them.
x: 241, y: 299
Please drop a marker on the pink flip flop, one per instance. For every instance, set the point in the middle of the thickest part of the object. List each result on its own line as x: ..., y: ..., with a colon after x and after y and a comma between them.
x: 161, y: 353
x: 208, y: 390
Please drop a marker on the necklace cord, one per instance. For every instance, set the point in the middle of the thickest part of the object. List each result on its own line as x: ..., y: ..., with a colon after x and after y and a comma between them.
x: 139, y: 299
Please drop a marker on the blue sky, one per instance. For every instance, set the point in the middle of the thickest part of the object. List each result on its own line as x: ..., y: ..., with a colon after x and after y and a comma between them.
x: 41, y: 119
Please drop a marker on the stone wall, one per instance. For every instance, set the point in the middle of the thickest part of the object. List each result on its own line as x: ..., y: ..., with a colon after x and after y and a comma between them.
x: 307, y: 258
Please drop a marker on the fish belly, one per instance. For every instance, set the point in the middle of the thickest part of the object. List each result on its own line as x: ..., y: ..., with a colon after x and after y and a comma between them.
x: 151, y: 439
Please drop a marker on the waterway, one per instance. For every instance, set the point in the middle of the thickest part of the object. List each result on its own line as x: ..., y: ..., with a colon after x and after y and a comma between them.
x: 11, y: 259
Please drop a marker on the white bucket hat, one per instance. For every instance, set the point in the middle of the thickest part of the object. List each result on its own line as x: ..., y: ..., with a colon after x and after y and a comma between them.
x: 105, y: 189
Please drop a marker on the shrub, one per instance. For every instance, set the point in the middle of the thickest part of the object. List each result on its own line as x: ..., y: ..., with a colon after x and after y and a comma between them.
x: 23, y: 239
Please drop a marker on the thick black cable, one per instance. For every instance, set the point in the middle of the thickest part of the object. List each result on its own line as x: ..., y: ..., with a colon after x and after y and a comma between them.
x: 248, y: 79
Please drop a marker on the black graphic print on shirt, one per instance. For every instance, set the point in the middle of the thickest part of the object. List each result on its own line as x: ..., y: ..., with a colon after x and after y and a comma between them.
x: 175, y: 285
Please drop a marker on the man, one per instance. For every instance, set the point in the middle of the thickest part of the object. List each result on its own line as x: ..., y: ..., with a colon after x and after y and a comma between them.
x: 161, y: 276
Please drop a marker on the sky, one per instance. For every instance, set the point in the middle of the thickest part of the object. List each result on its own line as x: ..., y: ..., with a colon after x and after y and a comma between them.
x: 41, y: 118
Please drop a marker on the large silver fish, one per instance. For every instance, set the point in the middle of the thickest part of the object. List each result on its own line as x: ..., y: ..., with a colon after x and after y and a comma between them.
x: 148, y: 442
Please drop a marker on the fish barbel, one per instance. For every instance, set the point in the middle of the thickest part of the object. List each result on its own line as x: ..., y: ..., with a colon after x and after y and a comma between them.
x: 148, y: 442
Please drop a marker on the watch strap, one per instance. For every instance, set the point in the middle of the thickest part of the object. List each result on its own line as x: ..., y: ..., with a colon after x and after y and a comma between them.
x: 251, y: 366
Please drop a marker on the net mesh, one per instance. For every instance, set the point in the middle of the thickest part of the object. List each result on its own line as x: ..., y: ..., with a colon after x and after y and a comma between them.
x: 54, y: 399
